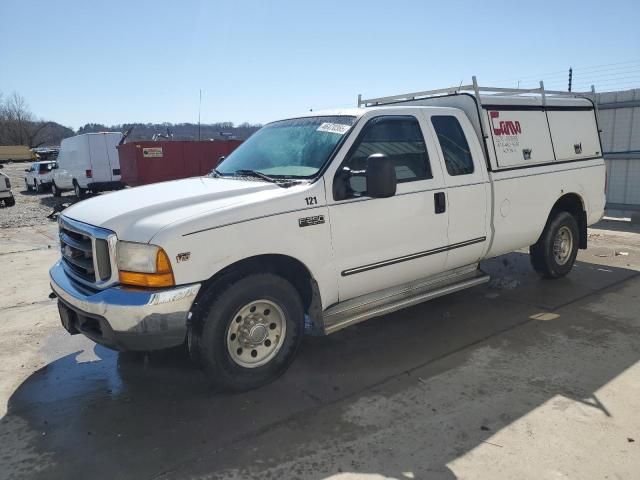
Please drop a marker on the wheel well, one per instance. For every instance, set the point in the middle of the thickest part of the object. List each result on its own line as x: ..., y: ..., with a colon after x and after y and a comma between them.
x: 572, y: 203
x: 289, y: 268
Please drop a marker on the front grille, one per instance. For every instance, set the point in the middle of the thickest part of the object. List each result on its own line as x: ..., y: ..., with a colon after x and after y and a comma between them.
x: 77, y: 253
x: 86, y: 252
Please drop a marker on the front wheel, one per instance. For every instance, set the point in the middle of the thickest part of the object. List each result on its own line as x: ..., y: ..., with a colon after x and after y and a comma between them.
x: 247, y: 334
x: 26, y: 184
x: 55, y: 191
x: 554, y: 254
x: 37, y: 187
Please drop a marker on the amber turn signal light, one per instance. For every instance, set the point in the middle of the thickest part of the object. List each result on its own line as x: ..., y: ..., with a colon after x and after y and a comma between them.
x: 163, y: 276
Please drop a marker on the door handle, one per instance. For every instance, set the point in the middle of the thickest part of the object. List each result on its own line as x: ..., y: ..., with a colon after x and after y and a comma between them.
x: 440, y: 202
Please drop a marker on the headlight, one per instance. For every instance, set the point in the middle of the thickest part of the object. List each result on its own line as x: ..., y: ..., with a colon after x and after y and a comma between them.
x: 143, y: 265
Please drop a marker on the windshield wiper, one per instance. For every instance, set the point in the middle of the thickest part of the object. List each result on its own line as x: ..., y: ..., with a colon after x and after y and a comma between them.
x: 281, y: 182
x: 253, y: 173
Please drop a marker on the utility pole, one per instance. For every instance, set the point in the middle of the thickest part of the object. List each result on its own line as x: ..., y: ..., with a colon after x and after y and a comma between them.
x: 570, y: 77
x: 200, y: 108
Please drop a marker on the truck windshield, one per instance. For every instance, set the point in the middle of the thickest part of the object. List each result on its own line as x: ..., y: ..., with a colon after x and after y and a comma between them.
x: 296, y: 148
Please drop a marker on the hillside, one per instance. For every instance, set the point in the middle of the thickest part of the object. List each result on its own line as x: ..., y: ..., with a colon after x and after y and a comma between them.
x: 179, y: 131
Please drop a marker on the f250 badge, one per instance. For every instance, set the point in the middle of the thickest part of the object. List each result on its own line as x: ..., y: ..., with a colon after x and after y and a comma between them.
x: 183, y: 257
x: 309, y: 221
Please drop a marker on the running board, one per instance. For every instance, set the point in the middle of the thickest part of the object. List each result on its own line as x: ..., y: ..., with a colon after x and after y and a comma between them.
x: 375, y: 304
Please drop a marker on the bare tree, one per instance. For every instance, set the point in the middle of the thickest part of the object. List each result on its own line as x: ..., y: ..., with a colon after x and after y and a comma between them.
x: 17, y: 119
x: 17, y: 125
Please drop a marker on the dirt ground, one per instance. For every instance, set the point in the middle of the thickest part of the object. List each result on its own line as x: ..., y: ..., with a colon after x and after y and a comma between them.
x: 519, y: 378
x: 31, y: 208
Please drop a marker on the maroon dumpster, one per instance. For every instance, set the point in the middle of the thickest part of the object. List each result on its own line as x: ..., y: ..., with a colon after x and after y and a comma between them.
x: 150, y: 162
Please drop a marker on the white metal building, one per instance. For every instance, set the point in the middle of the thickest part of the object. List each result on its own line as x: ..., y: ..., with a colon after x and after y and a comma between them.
x: 619, y: 116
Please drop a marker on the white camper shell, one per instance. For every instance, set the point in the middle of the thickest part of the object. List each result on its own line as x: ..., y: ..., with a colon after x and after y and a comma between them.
x: 88, y: 162
x: 519, y: 131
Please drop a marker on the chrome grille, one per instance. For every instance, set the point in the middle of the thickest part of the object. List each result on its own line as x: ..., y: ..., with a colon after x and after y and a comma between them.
x: 88, y: 253
x: 77, y: 253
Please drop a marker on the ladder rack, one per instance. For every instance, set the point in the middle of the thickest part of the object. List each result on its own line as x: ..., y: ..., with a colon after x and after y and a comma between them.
x: 475, y: 89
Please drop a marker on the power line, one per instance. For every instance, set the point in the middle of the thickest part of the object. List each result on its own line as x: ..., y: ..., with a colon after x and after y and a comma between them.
x: 607, y: 74
x: 563, y: 74
x: 612, y: 80
x: 608, y: 65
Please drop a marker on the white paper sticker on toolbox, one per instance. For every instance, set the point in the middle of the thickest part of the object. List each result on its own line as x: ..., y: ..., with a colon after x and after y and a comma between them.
x: 334, y: 128
x: 152, y: 152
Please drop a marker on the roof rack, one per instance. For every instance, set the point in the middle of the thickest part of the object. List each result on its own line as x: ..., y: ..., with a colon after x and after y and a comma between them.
x: 475, y: 89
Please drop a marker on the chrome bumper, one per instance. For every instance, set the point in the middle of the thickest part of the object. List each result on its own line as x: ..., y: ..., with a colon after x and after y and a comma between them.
x: 124, y: 318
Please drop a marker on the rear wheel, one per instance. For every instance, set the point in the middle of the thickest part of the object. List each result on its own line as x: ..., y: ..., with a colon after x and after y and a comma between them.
x: 554, y: 254
x: 9, y: 202
x: 78, y: 191
x: 248, y: 334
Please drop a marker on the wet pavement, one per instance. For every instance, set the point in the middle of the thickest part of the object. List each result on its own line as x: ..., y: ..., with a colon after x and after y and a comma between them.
x: 520, y: 377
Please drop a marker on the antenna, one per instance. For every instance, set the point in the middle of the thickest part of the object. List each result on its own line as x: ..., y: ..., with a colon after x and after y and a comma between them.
x: 570, y: 77
x: 199, y: 109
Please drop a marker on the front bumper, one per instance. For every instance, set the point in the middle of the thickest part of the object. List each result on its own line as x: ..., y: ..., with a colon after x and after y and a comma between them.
x: 124, y: 318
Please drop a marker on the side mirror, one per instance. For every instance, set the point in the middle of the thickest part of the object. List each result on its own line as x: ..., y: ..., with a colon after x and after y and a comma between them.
x: 1, y: 166
x: 381, y: 176
x: 27, y: 170
x: 220, y: 159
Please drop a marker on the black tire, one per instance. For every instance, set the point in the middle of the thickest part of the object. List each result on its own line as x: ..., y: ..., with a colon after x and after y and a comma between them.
x: 37, y: 187
x: 548, y: 263
x: 55, y: 191
x: 216, y: 311
x: 10, y: 201
x: 78, y: 190
x: 26, y: 184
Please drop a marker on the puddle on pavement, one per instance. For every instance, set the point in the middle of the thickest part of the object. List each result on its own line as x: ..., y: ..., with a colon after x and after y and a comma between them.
x: 76, y: 368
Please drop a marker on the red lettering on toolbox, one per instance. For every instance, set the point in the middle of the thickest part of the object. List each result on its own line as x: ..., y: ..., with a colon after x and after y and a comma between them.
x: 507, y: 127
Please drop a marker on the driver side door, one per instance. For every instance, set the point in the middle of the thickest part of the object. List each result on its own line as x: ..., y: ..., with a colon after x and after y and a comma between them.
x: 385, y: 242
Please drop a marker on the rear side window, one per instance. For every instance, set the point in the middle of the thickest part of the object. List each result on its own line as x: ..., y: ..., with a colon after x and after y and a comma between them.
x: 455, y: 149
x: 400, y: 139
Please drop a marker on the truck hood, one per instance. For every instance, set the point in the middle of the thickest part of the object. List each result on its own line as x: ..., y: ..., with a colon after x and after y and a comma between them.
x: 137, y: 214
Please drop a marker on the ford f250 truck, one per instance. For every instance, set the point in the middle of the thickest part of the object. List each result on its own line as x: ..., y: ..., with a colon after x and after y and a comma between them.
x: 324, y: 220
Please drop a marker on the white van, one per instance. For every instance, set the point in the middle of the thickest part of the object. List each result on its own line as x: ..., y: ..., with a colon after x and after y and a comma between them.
x: 88, y: 162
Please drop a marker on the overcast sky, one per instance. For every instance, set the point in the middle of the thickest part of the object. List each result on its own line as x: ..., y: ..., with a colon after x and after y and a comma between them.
x: 123, y: 61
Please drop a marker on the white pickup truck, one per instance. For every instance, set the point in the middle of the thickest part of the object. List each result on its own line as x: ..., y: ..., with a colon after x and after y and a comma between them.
x: 324, y: 220
x: 6, y: 196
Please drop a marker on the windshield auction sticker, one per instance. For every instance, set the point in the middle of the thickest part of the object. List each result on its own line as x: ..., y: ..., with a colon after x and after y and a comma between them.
x: 334, y: 128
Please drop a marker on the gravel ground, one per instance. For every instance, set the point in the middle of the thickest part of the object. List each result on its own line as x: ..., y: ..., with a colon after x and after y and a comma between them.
x: 31, y: 209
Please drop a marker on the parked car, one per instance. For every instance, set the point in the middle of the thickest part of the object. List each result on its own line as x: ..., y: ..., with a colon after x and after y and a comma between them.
x: 88, y: 162
x: 5, y: 190
x: 321, y: 221
x: 39, y: 176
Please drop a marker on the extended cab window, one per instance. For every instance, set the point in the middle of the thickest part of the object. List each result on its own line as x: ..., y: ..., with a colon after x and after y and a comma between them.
x: 455, y: 149
x: 400, y: 139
